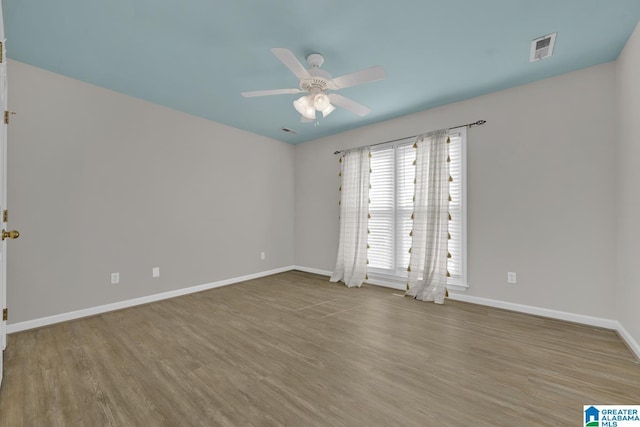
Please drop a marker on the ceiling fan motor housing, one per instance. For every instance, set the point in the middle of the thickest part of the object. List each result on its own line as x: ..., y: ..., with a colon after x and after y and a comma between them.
x: 320, y: 81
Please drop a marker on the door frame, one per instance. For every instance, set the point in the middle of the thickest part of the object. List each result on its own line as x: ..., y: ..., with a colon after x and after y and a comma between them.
x: 3, y: 189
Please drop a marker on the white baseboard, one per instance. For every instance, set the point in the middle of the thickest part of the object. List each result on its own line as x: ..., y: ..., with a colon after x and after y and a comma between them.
x: 63, y: 317
x: 312, y: 270
x: 538, y: 311
x: 633, y: 345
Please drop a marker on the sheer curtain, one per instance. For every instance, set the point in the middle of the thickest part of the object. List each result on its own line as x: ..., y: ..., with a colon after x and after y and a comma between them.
x: 429, y: 246
x: 351, y: 265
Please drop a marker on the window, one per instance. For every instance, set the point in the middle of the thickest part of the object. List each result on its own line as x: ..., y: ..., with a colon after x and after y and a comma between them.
x: 391, y: 194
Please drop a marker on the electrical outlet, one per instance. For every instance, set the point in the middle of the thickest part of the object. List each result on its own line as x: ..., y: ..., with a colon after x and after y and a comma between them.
x: 511, y: 277
x: 115, y: 278
x: 155, y: 272
x: 262, y: 255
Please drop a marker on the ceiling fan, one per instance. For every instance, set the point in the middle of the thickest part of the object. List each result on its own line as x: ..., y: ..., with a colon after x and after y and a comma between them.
x: 317, y: 83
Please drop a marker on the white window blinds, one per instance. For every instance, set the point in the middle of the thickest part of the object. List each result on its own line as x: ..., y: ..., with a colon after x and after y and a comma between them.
x: 381, y: 250
x: 391, y: 194
x: 454, y: 264
x: 406, y: 173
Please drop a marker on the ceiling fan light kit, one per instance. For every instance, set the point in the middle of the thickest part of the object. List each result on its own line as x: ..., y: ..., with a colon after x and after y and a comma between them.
x: 308, y: 105
x: 317, y: 82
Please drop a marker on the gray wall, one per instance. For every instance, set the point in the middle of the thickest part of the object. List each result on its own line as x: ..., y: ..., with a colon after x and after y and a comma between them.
x: 100, y: 182
x: 541, y: 190
x: 628, y: 232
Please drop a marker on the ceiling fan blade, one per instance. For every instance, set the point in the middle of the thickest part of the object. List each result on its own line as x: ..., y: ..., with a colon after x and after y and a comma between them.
x: 348, y: 104
x: 291, y: 62
x: 304, y: 119
x: 363, y: 76
x: 269, y: 92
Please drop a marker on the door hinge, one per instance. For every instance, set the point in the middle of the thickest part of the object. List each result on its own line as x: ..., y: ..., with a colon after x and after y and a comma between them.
x: 5, y: 216
x: 6, y: 116
x: 1, y: 52
x: 5, y: 314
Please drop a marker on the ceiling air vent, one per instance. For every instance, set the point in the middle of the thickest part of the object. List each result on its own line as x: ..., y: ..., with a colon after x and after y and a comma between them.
x: 289, y: 131
x: 542, y: 47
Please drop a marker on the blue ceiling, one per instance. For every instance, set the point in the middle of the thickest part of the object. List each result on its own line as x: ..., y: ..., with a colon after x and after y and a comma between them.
x: 196, y: 56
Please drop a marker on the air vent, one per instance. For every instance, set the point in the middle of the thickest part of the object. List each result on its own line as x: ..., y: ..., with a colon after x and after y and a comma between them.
x: 289, y: 131
x: 542, y: 47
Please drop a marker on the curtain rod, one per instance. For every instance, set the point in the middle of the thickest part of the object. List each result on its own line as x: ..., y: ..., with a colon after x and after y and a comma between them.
x: 478, y: 123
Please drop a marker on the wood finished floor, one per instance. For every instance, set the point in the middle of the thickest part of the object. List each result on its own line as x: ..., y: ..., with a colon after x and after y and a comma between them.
x: 293, y: 349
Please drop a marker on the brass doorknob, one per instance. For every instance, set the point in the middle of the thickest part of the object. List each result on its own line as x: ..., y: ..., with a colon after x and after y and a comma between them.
x: 13, y: 234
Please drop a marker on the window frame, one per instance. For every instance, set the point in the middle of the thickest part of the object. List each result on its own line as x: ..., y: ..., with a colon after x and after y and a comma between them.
x: 383, y: 277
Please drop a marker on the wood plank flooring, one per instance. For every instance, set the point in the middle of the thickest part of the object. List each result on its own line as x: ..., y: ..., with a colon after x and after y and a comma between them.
x: 293, y: 349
